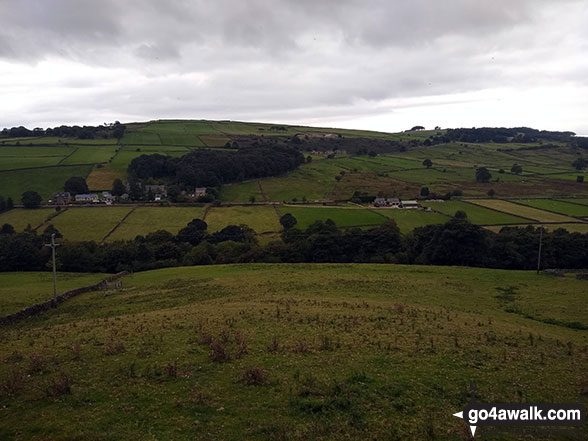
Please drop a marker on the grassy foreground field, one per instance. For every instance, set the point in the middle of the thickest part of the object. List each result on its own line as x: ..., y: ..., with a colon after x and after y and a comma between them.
x: 292, y: 352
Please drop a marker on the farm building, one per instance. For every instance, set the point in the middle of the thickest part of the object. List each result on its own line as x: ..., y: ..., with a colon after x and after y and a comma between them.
x: 200, y: 191
x: 87, y: 197
x: 387, y: 202
x: 410, y: 204
x: 62, y: 198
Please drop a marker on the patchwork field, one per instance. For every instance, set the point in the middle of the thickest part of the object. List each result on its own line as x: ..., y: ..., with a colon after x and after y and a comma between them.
x: 19, y: 218
x: 260, y: 218
x: 45, y: 181
x: 562, y: 207
x: 522, y: 211
x: 145, y: 220
x: 292, y: 352
x: 88, y: 223
x: 476, y: 214
x: 343, y: 217
x: 408, y: 220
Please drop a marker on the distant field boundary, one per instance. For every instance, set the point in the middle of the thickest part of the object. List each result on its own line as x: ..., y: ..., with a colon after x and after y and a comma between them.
x: 50, y: 166
x: 40, y: 307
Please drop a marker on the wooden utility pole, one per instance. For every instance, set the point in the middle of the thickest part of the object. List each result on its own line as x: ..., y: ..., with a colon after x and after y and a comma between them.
x: 53, y: 245
x: 540, y: 245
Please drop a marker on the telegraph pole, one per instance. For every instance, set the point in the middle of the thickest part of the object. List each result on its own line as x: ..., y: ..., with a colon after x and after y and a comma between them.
x: 53, y: 245
x: 540, y: 245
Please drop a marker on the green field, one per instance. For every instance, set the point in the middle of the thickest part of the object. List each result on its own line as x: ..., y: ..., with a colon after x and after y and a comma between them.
x: 557, y: 206
x: 408, y: 220
x: 292, y: 352
x: 260, y: 218
x: 522, y: 211
x: 241, y: 192
x: 23, y: 157
x: 19, y: 218
x: 145, y: 220
x: 343, y: 217
x: 476, y: 214
x: 88, y: 223
x: 19, y: 290
x: 44, y: 180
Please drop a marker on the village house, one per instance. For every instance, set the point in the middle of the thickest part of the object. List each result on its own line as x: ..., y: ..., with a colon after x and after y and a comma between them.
x: 200, y: 191
x: 156, y: 189
x: 62, y: 198
x: 87, y: 197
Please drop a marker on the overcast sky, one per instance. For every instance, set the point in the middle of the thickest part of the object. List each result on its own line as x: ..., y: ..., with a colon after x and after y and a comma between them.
x: 383, y: 65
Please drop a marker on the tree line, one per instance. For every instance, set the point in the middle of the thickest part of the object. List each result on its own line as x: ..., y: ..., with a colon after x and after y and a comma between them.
x: 456, y: 242
x: 114, y: 130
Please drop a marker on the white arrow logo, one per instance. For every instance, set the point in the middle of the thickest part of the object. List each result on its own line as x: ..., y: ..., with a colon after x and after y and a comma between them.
x: 472, y: 428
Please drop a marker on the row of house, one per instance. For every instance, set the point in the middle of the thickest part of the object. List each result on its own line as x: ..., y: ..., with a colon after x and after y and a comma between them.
x: 65, y: 198
x: 395, y: 203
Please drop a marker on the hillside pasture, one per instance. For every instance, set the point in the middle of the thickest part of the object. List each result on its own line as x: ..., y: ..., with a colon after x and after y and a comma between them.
x: 296, y: 352
x: 24, y: 157
x: 19, y: 290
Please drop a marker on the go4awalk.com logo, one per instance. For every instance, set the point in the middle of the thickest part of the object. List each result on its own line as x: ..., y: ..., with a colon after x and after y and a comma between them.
x: 505, y: 416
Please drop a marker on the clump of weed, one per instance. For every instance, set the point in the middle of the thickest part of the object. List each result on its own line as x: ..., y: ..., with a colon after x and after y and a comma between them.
x: 37, y: 363
x: 171, y: 369
x: 301, y: 347
x: 60, y: 385
x: 253, y: 376
x: 219, y: 352
x: 326, y: 344
x: 15, y: 357
x: 13, y: 382
x: 76, y: 351
x: 274, y: 346
x: 113, y: 347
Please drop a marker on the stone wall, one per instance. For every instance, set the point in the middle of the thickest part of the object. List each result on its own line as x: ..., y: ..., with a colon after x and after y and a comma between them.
x: 40, y: 307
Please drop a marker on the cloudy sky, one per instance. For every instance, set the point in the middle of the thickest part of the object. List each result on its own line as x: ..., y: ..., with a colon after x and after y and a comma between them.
x: 376, y: 64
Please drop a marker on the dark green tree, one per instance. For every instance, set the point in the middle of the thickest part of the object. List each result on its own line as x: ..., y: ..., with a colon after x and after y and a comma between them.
x: 516, y: 168
x: 460, y: 214
x: 425, y: 191
x: 288, y: 221
x: 483, y: 175
x: 118, y: 188
x: 428, y: 163
x: 76, y: 185
x: 31, y: 199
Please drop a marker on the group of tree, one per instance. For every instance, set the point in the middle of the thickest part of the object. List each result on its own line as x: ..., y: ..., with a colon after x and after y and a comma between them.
x: 456, y: 242
x: 212, y: 168
x: 6, y: 204
x: 506, y: 135
x: 114, y: 130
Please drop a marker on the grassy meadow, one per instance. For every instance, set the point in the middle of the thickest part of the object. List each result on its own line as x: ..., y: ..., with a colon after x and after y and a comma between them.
x: 296, y: 352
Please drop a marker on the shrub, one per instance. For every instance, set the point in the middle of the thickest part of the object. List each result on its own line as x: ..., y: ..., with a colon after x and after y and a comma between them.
x: 253, y: 376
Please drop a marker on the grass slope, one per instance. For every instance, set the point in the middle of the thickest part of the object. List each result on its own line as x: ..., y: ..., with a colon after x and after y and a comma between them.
x: 292, y: 352
x: 557, y: 206
x: 476, y: 214
x: 19, y: 290
x: 521, y: 210
x: 343, y: 217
